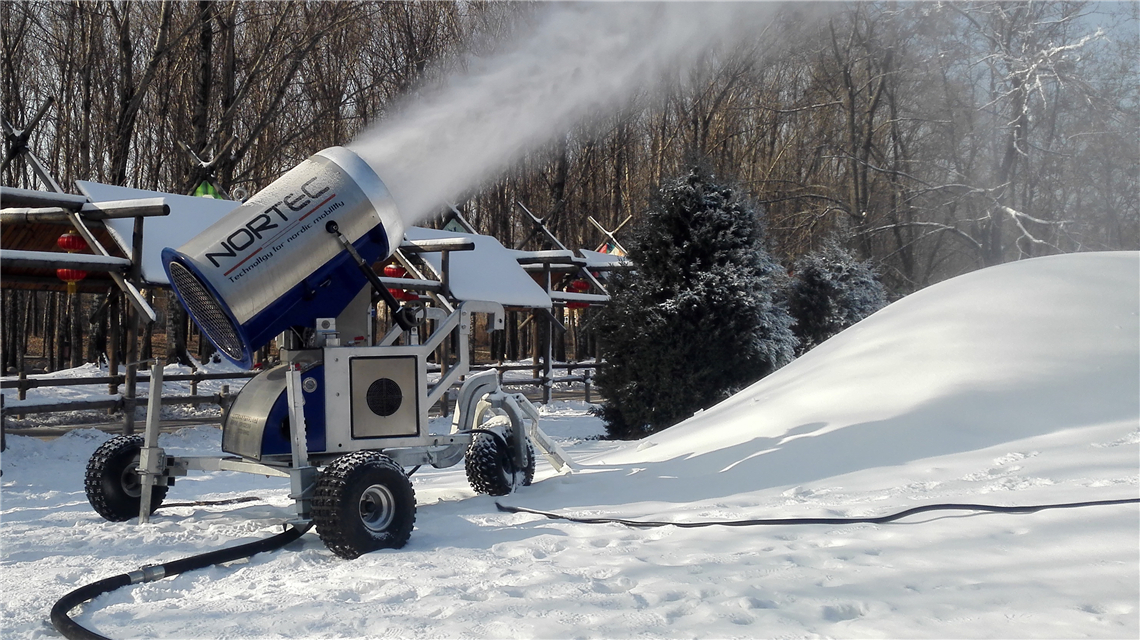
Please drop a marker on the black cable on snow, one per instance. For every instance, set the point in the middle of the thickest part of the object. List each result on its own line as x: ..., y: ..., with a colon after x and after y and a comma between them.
x: 208, y: 503
x: 74, y: 631
x: 646, y: 524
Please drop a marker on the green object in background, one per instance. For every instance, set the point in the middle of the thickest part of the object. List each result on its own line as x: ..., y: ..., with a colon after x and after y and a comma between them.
x: 207, y: 190
x: 454, y: 226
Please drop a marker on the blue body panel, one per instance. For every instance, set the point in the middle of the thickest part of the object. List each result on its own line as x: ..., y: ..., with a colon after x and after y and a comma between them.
x: 275, y: 438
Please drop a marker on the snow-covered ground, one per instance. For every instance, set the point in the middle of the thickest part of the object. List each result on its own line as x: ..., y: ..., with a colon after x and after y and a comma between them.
x: 1013, y: 385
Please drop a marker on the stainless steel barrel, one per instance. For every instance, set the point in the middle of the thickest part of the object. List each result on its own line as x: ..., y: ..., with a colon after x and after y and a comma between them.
x: 271, y: 265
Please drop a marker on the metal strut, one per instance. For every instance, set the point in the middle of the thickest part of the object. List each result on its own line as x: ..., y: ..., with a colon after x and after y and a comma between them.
x: 406, y: 317
x: 302, y: 475
x: 152, y: 459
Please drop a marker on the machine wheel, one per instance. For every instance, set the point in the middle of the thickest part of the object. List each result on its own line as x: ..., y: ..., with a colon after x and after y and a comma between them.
x: 363, y: 502
x: 112, y: 482
x: 489, y: 464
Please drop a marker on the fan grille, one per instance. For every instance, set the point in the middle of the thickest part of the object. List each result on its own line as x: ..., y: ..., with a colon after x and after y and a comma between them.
x: 206, y: 311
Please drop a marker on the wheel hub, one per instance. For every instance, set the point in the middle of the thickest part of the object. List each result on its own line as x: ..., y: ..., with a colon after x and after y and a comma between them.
x: 377, y: 508
x: 129, y: 480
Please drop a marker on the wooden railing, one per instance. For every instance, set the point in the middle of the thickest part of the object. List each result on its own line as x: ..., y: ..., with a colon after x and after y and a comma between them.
x: 542, y: 380
x: 122, y: 403
x: 119, y: 403
x: 23, y: 383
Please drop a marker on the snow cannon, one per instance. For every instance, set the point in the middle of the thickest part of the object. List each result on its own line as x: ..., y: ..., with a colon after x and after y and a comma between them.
x: 344, y: 414
x: 279, y: 260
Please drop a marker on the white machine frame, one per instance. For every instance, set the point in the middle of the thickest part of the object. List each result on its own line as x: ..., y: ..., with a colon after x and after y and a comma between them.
x: 479, y: 394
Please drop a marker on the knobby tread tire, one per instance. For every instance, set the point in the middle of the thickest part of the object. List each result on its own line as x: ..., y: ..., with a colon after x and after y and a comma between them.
x: 489, y: 467
x: 103, y: 480
x: 336, y: 504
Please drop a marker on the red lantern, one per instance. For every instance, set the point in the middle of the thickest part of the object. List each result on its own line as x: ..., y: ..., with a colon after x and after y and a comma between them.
x: 70, y: 276
x: 396, y: 271
x: 577, y: 286
x: 71, y: 242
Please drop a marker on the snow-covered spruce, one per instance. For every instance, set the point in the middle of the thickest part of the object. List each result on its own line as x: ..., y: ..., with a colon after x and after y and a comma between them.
x: 830, y: 290
x: 363, y: 501
x: 112, y: 481
x: 697, y: 318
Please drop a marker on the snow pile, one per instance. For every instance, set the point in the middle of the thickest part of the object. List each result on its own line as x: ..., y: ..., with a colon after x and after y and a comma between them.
x: 1024, y: 350
x: 1013, y: 385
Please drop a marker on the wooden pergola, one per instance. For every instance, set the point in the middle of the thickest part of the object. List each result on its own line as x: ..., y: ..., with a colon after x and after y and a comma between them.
x: 31, y: 223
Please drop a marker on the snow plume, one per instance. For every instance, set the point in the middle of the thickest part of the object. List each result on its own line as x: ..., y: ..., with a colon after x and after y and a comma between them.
x: 580, y: 62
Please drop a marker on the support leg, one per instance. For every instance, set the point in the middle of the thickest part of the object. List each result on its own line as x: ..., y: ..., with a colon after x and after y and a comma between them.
x: 151, y: 457
x: 302, y: 476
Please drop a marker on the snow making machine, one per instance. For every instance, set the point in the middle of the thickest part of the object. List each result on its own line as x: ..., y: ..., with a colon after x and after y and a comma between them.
x: 344, y: 415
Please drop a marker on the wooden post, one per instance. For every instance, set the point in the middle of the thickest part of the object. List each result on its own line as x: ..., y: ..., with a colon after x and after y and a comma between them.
x: 114, y: 328
x: 131, y: 356
x: 22, y: 391
x: 148, y: 336
x: 511, y: 347
x: 130, y: 393
x: 75, y: 328
x: 22, y: 337
x: 49, y: 331
x: 534, y: 344
x: 547, y: 366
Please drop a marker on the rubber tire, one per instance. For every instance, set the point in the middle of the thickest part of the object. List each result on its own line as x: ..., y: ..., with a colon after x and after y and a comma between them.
x: 112, y: 485
x: 488, y: 464
x: 340, y: 496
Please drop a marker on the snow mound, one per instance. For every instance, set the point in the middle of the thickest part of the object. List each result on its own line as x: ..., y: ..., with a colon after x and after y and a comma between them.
x: 994, y: 357
x: 1026, y: 348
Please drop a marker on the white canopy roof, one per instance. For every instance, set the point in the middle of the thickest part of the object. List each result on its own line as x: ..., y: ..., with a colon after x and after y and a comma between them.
x: 189, y: 216
x: 603, y: 261
x: 489, y: 273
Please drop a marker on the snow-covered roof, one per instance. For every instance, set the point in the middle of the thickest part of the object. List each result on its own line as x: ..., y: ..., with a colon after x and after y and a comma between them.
x: 553, y: 256
x: 189, y: 216
x: 570, y: 296
x: 87, y: 261
x: 603, y: 261
x: 489, y: 272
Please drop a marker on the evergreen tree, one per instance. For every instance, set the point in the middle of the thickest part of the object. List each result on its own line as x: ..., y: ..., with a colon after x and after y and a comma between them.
x: 694, y: 320
x: 830, y: 291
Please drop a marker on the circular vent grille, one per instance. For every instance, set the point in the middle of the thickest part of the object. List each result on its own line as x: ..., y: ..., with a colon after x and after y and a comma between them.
x: 206, y: 311
x: 384, y: 397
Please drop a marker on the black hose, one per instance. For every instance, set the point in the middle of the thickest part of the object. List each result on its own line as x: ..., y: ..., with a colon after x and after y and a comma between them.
x: 795, y: 521
x: 74, y: 631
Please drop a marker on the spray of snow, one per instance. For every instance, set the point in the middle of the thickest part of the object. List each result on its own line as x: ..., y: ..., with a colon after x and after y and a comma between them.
x: 580, y: 63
